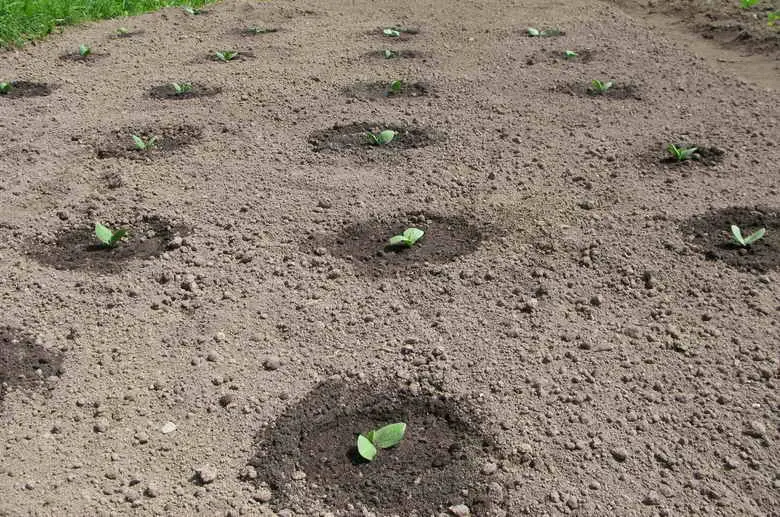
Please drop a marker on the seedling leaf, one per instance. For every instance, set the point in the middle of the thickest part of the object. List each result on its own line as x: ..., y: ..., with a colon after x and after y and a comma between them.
x: 84, y: 50
x: 5, y: 88
x: 753, y: 237
x: 395, y: 87
x: 408, y: 238
x: 397, y: 240
x: 389, y: 54
x: 569, y: 54
x: 680, y: 152
x: 389, y: 435
x: 386, y: 136
x: 365, y: 448
x: 139, y: 142
x: 122, y: 31
x: 191, y: 10
x: 745, y: 4
x: 391, y: 32
x: 533, y: 32
x: 107, y: 236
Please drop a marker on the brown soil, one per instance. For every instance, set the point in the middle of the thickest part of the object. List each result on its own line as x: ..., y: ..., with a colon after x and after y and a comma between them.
x: 21, y: 89
x: 167, y: 91
x: 574, y: 334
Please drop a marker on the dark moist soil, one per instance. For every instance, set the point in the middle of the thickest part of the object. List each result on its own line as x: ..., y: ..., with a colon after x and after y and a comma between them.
x: 20, y: 89
x: 79, y: 249
x: 242, y: 56
x: 166, y: 91
x: 557, y: 56
x: 617, y: 92
x: 24, y: 362
x: 245, y: 31
x: 710, y: 234
x: 438, y: 461
x: 704, y: 155
x: 365, y: 243
x: 119, y: 143
x: 378, y: 90
x: 352, y: 138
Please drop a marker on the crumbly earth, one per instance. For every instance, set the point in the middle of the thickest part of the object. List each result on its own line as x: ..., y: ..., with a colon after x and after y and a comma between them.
x: 573, y: 336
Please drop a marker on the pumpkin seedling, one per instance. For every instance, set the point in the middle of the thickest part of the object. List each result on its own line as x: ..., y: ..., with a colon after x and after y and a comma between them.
x: 5, y: 88
x: 191, y: 10
x: 122, y: 31
x: 746, y: 4
x: 600, y: 87
x: 389, y: 54
x: 737, y: 238
x: 533, y: 32
x: 108, y: 236
x: 381, y: 138
x: 569, y: 54
x: 84, y: 50
x: 771, y: 18
x: 391, y: 32
x: 181, y: 88
x: 408, y: 238
x: 681, y: 152
x: 226, y: 55
x: 260, y: 30
x: 394, y: 87
x: 145, y: 145
x: 382, y: 438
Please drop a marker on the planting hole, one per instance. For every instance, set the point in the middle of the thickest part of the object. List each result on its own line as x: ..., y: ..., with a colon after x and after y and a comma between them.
x: 24, y: 362
x: 353, y: 137
x: 119, y: 143
x: 169, y: 92
x: 19, y: 89
x: 379, y: 90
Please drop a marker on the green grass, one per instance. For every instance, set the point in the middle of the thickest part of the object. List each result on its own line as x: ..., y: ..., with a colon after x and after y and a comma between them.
x: 25, y: 20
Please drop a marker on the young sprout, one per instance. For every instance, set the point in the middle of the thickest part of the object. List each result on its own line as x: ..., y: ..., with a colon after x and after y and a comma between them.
x: 382, y: 138
x: 181, y: 88
x: 5, y: 88
x: 681, y: 152
x: 145, y: 145
x: 569, y: 54
x: 382, y: 438
x: 771, y: 18
x: 84, y: 50
x: 395, y: 87
x: 260, y: 30
x: 745, y: 4
x: 737, y: 238
x: 533, y: 32
x: 391, y: 32
x: 408, y: 238
x: 122, y: 31
x: 108, y: 236
x: 389, y: 54
x: 597, y: 86
x: 191, y: 10
x: 226, y: 55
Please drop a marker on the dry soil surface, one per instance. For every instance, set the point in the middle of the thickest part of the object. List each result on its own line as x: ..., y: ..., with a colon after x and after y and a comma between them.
x: 574, y: 334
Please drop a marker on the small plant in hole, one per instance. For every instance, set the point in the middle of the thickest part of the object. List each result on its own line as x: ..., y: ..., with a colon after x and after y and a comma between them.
x: 181, y: 88
x: 406, y: 239
x: 771, y: 18
x: 395, y: 87
x: 5, y: 88
x: 681, y: 152
x: 145, y: 145
x: 569, y: 54
x: 382, y: 438
x: 392, y: 32
x: 381, y: 138
x: 84, y: 50
x: 226, y: 55
x: 746, y: 4
x: 107, y: 236
x: 122, y: 31
x: 600, y: 87
x: 389, y: 54
x: 739, y: 239
x: 260, y: 30
x: 533, y: 32
x: 191, y: 10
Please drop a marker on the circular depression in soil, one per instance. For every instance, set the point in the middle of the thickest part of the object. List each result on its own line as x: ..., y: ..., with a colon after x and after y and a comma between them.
x: 351, y: 138
x: 168, y: 91
x: 118, y: 143
x: 21, y: 89
x: 79, y: 249
x: 364, y: 243
x: 24, y: 362
x: 379, y: 90
x: 437, y: 462
x: 710, y: 235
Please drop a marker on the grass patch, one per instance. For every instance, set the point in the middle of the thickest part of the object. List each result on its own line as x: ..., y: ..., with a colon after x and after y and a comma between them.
x: 27, y: 20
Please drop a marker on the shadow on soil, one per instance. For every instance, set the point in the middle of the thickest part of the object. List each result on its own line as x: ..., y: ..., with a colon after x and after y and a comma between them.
x: 379, y: 90
x: 168, y: 92
x: 79, y: 249
x: 364, y: 243
x: 20, y: 89
x: 119, y: 142
x: 25, y: 363
x: 397, y: 54
x: 437, y: 462
x: 709, y: 234
x: 353, y: 138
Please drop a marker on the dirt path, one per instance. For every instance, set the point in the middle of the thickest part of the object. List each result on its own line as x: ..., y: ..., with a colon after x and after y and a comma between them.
x: 572, y: 335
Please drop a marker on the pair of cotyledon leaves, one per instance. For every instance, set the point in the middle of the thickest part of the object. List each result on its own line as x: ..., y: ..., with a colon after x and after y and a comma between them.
x: 382, y: 438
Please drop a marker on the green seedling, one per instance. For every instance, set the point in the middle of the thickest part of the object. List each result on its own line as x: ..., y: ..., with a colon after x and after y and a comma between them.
x: 5, y: 88
x: 181, y: 88
x: 533, y: 32
x: 389, y: 54
x: 108, y: 236
x: 395, y: 87
x: 122, y: 31
x: 145, y: 145
x: 569, y: 54
x: 391, y: 32
x: 260, y: 30
x: 191, y: 10
x: 681, y: 152
x: 226, y: 55
x: 84, y: 50
x: 382, y: 438
x: 746, y: 4
x: 737, y: 238
x: 408, y: 238
x: 771, y: 18
x: 381, y: 138
x: 601, y: 87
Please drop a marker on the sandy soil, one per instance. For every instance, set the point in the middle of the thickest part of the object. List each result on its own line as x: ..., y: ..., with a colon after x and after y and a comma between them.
x: 574, y: 335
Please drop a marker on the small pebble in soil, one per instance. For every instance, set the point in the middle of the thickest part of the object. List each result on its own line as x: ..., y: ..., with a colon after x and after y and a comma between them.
x: 755, y: 429
x: 489, y: 468
x: 272, y: 363
x: 206, y: 474
x: 619, y: 453
x: 460, y: 510
x: 168, y: 427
